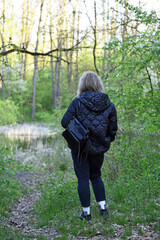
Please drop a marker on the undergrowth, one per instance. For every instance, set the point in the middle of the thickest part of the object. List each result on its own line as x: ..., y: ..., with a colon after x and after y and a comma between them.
x: 10, y: 190
x: 131, y: 177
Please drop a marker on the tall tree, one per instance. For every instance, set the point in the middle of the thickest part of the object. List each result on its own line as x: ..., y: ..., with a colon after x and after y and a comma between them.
x: 94, y: 29
x: 59, y: 55
x: 125, y: 23
x: 95, y: 37
x: 36, y: 62
x: 70, y: 76
x: 52, y: 67
x: 77, y: 50
x: 104, y: 33
x: 3, y: 49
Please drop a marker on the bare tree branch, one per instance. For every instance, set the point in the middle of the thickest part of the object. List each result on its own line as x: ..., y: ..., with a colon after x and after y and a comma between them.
x: 49, y: 53
x: 150, y: 80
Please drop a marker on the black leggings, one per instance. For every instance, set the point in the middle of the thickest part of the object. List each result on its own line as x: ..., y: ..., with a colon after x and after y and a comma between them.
x: 90, y: 169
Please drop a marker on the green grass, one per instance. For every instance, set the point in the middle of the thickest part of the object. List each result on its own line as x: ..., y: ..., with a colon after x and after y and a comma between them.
x: 6, y: 233
x: 10, y: 191
x: 59, y: 207
x: 9, y: 186
x: 132, y: 191
x: 131, y: 181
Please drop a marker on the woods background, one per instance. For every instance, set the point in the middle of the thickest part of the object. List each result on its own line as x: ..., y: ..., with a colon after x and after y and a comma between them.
x: 47, y: 45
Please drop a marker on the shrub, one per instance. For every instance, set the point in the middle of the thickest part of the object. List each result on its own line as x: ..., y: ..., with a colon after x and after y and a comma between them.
x: 9, y: 112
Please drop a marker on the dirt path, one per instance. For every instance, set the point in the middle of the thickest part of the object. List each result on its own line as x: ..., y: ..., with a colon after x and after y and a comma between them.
x: 21, y: 217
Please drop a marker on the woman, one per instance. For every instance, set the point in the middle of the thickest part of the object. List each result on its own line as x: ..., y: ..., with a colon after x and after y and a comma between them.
x: 97, y: 113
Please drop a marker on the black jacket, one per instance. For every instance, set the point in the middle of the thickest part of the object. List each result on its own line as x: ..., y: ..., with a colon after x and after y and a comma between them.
x: 98, y: 114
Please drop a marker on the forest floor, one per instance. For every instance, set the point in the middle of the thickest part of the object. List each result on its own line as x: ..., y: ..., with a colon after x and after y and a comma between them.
x: 22, y: 219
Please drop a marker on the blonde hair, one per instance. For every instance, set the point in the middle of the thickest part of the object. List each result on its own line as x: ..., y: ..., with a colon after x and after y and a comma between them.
x: 90, y: 81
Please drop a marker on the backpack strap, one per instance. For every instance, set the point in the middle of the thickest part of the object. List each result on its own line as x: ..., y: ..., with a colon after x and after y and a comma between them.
x: 78, y: 107
x: 84, y: 151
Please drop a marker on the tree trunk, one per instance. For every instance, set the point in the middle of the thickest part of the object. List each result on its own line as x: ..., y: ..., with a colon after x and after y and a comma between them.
x: 52, y: 71
x: 61, y: 84
x: 56, y: 79
x: 69, y: 55
x: 3, y: 49
x: 8, y: 79
x: 2, y: 75
x: 124, y: 35
x: 77, y: 52
x: 104, y: 36
x: 44, y: 39
x: 35, y: 64
x: 22, y: 37
x: 95, y: 37
x: 27, y: 33
x: 59, y: 68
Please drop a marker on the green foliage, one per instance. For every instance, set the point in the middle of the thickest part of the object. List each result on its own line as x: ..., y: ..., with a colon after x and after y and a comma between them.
x: 44, y: 91
x: 63, y: 167
x: 140, y: 15
x: 53, y: 116
x: 9, y: 112
x: 134, y: 84
x: 132, y: 164
x: 44, y: 116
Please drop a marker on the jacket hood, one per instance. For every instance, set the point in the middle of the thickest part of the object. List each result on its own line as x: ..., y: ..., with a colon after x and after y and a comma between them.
x: 95, y: 101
